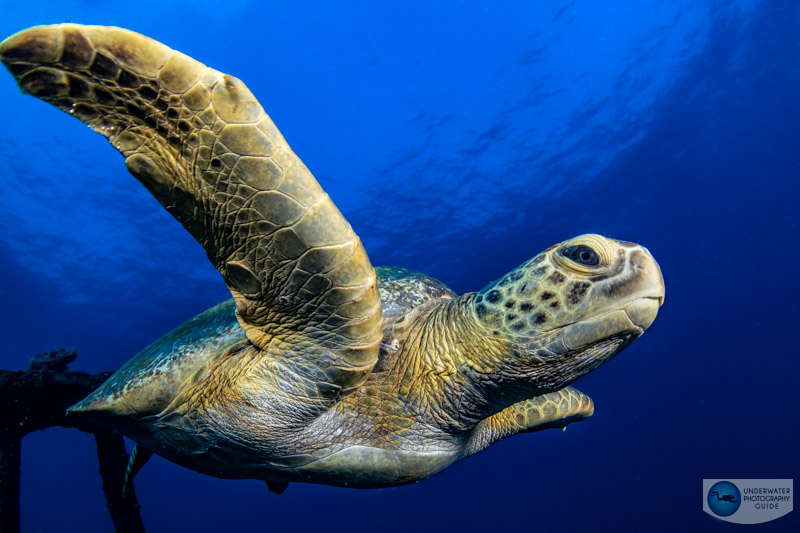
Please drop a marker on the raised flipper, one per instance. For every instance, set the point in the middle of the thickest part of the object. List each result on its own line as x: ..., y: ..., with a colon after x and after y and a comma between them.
x: 200, y: 142
x: 139, y: 457
x: 553, y: 410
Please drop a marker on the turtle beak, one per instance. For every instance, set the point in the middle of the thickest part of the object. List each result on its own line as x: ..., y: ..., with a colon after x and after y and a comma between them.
x: 651, y: 291
x: 643, y: 311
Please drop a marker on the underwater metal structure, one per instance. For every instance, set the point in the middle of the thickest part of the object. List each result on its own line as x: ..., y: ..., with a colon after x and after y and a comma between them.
x: 38, y: 398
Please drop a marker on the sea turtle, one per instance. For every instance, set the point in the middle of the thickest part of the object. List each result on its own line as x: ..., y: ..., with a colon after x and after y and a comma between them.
x: 321, y: 369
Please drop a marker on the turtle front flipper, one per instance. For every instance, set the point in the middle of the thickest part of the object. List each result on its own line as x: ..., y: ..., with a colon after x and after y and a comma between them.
x: 201, y: 143
x: 553, y: 410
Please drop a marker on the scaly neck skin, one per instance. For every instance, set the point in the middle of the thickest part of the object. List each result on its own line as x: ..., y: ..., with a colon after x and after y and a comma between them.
x: 458, y: 371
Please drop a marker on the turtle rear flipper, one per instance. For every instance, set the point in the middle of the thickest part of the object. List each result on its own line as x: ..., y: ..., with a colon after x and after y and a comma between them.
x: 201, y: 143
x: 277, y: 487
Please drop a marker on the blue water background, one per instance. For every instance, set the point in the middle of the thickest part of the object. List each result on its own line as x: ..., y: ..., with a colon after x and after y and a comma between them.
x: 458, y: 138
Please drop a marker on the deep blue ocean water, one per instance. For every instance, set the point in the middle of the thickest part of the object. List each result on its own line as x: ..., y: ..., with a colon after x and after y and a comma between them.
x: 459, y: 138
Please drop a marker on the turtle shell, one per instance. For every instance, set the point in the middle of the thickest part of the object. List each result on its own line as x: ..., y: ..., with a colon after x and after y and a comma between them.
x: 148, y: 384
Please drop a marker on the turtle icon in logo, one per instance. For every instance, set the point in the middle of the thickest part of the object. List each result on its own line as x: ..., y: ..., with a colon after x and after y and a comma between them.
x: 724, y: 498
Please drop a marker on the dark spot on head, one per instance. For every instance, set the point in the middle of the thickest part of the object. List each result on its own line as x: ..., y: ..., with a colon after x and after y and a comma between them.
x: 172, y: 113
x: 104, y: 67
x: 184, y: 126
x: 160, y: 104
x: 539, y: 272
x: 546, y: 295
x: 555, y: 304
x: 503, y: 282
x: 577, y: 291
x: 479, y: 298
x: 526, y: 288
x: 525, y: 307
x: 216, y: 163
x: 493, y: 296
x: 557, y: 278
x: 480, y: 310
x: 509, y: 304
x: 539, y: 318
x: 510, y: 317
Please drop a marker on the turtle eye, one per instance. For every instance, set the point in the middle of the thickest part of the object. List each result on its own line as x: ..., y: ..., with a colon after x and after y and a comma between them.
x: 582, y: 255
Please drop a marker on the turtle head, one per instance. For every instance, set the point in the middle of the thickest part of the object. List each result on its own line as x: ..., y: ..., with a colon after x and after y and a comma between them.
x: 573, y: 306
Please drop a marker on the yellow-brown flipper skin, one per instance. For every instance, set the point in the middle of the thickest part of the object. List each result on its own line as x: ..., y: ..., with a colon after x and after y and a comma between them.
x: 201, y: 143
x: 553, y: 410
